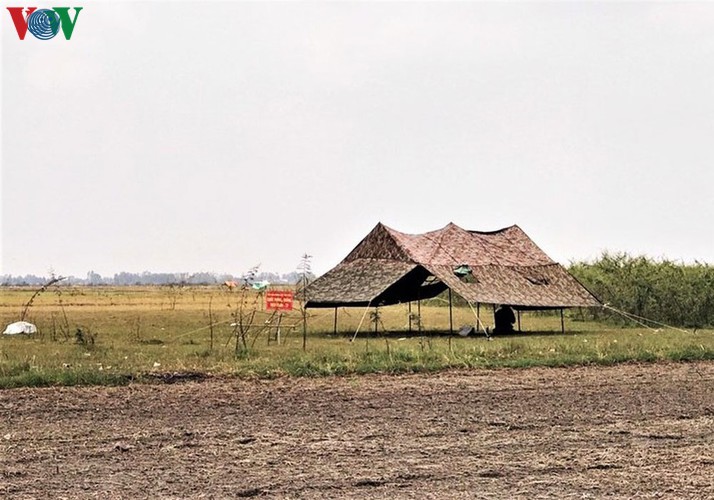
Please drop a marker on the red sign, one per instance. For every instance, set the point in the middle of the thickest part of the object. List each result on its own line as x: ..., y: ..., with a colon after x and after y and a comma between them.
x: 278, y: 300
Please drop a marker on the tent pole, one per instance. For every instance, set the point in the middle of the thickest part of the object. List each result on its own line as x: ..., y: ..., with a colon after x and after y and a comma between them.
x: 518, y: 312
x: 478, y: 315
x: 451, y: 315
x: 419, y: 313
x: 335, y: 327
x: 364, y: 314
x: 562, y: 321
x: 409, y: 305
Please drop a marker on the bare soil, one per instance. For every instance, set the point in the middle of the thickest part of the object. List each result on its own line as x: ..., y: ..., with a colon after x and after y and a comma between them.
x: 628, y: 431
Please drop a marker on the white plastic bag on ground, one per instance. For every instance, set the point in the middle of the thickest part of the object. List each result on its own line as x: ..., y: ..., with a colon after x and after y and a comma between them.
x: 20, y: 327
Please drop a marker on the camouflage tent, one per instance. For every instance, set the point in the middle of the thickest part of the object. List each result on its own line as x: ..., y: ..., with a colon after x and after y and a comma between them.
x: 499, y: 267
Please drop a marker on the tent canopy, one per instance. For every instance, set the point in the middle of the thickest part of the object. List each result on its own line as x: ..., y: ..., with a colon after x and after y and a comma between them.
x: 498, y: 267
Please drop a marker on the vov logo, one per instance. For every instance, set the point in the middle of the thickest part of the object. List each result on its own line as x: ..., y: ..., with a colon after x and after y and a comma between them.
x: 44, y: 23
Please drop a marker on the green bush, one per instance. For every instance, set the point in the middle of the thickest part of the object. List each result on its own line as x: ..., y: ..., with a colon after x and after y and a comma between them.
x: 662, y: 290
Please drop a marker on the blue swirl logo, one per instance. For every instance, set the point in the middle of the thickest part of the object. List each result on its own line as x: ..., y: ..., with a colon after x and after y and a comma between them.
x: 44, y: 24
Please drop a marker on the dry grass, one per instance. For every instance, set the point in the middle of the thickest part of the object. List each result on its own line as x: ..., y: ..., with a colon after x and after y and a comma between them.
x: 128, y: 332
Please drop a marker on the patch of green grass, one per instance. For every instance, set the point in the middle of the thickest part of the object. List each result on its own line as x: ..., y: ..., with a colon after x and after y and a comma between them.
x: 48, y: 378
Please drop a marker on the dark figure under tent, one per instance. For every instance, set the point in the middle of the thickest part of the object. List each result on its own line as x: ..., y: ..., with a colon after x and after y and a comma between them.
x: 504, y: 318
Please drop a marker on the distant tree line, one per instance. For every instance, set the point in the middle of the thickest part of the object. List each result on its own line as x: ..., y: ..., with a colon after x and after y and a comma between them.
x: 670, y: 292
x: 148, y: 278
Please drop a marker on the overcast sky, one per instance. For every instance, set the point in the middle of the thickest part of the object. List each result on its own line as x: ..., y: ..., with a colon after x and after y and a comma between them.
x: 187, y: 136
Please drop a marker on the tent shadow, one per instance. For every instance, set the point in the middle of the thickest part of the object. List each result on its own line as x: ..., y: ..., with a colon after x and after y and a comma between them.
x: 534, y: 333
x: 395, y: 335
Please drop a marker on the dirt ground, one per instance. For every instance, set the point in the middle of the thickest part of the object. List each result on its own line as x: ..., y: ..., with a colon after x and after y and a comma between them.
x: 630, y: 431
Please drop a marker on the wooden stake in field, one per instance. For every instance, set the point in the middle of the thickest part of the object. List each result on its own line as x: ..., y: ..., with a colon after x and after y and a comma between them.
x: 304, y: 330
x: 210, y: 320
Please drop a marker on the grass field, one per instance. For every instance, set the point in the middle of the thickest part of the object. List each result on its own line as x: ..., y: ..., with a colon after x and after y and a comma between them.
x: 112, y: 335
